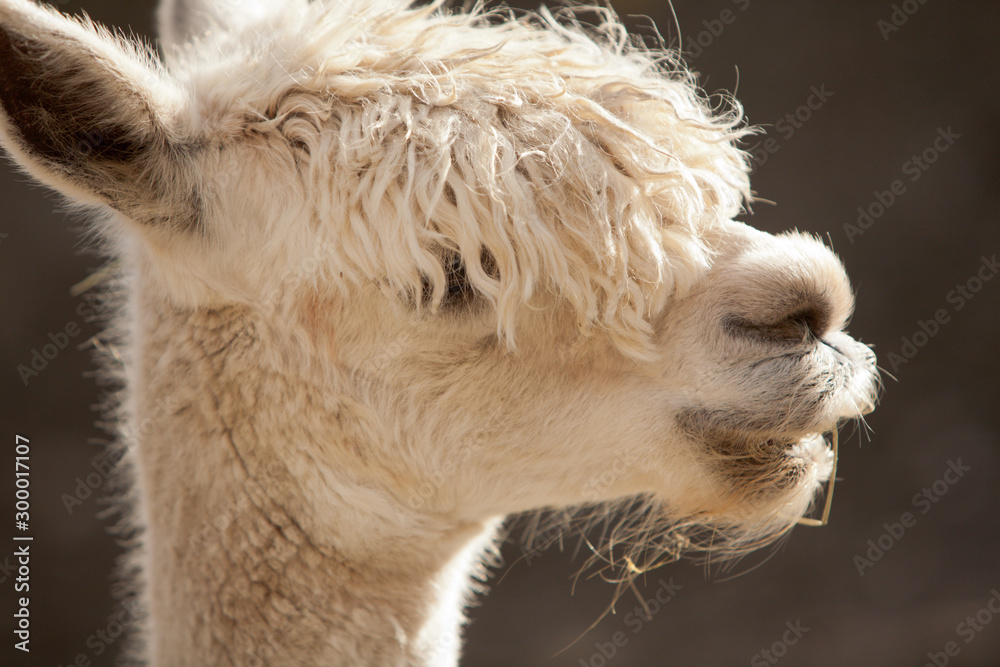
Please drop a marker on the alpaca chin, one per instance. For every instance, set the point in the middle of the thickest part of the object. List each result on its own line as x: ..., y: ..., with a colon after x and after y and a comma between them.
x: 770, y: 487
x: 781, y: 499
x: 817, y: 456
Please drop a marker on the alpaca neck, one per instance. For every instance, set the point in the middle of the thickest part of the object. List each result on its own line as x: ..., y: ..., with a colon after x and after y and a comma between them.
x: 264, y: 543
x: 261, y: 590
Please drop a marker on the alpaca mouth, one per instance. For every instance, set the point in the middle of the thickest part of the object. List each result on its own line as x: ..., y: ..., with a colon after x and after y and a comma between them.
x: 812, y: 455
x: 822, y: 455
x: 778, y: 467
x: 819, y: 451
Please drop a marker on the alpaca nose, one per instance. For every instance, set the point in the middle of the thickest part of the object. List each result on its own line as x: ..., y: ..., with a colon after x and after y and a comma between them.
x: 807, y: 316
x: 784, y: 287
x: 819, y: 293
x: 810, y: 315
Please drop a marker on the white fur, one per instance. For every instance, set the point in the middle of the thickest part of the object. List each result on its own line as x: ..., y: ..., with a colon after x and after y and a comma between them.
x: 322, y: 440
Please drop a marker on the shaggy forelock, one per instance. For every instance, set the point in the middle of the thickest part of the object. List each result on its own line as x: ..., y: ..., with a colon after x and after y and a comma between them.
x: 591, y: 165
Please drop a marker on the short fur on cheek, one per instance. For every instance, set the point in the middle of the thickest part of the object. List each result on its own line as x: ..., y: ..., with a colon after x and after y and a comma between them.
x: 383, y: 274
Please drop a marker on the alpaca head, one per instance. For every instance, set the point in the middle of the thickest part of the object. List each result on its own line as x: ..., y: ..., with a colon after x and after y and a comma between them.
x: 504, y: 251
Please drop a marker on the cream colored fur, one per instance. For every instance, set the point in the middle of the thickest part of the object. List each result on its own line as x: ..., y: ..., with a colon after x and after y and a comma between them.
x: 393, y: 274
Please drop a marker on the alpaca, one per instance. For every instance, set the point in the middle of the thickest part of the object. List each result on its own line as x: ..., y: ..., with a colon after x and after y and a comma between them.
x: 390, y: 273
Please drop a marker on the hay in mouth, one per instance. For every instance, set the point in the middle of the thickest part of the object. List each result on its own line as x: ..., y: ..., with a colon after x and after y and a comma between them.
x: 830, y: 481
x: 764, y: 470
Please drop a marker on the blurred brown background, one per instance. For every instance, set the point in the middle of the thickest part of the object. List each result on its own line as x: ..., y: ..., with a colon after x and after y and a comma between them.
x: 886, y: 83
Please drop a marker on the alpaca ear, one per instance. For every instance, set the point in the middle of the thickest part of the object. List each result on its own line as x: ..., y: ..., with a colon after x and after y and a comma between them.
x: 181, y: 21
x: 89, y: 115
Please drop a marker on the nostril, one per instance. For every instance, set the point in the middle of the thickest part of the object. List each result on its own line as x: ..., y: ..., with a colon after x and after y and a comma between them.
x: 792, y: 325
x: 812, y: 318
